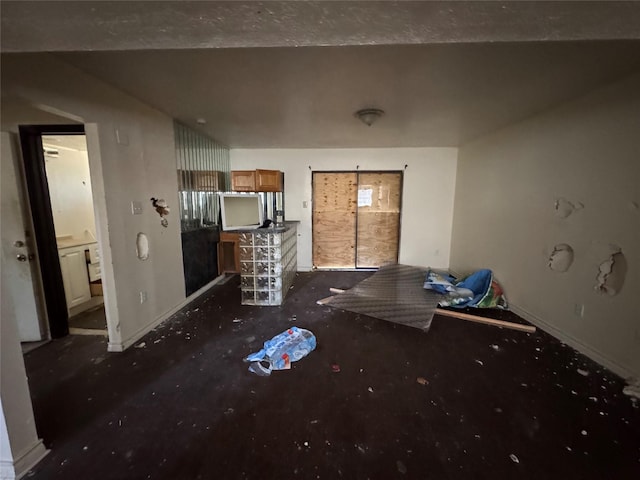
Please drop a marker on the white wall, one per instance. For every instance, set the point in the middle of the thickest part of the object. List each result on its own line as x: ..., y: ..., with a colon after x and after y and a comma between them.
x: 132, y: 157
x: 69, y: 182
x: 427, y: 202
x: 586, y: 152
x: 21, y: 448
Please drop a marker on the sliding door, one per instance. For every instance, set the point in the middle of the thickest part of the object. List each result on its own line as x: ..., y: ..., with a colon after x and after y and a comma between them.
x: 378, y: 219
x: 335, y: 200
x: 356, y: 219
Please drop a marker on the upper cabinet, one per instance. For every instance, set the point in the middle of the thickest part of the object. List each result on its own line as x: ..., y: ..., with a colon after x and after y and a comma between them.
x: 256, y: 181
x: 243, y: 180
x: 201, y: 180
x: 269, y: 180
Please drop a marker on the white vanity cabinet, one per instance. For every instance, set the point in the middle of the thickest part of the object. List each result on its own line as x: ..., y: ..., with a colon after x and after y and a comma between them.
x: 73, y: 264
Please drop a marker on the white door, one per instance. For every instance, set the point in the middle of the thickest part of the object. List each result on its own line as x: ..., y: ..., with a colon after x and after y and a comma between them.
x: 18, y: 298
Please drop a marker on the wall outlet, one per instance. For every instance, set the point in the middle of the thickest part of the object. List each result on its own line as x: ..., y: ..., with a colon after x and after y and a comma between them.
x: 143, y: 296
x: 578, y: 310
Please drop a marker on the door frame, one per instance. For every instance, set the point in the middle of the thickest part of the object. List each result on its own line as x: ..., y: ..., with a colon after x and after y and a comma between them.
x: 357, y: 172
x: 44, y: 229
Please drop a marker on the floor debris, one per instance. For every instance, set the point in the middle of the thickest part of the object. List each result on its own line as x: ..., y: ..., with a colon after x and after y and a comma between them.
x: 283, y: 349
x: 514, y: 459
x: 141, y: 345
x: 335, y: 368
x: 582, y: 372
x: 422, y: 381
x: 632, y: 389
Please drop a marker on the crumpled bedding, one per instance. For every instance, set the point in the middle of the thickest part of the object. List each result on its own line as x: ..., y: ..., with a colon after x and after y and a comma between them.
x: 479, y: 290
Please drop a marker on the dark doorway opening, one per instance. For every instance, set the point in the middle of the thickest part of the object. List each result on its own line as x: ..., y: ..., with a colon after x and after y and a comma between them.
x: 44, y: 230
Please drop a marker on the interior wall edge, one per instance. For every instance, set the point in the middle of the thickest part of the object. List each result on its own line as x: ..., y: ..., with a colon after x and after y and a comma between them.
x: 116, y: 347
x: 624, y: 371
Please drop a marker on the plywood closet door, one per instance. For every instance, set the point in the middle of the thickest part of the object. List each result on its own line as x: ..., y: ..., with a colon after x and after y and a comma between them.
x: 378, y: 219
x: 334, y: 219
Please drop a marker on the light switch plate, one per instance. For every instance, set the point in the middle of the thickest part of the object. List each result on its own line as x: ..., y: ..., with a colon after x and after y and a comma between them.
x: 136, y: 208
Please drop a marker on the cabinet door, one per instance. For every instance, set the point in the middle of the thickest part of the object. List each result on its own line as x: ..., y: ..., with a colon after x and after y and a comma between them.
x: 208, y: 181
x: 229, y: 253
x: 75, y: 278
x: 243, y: 180
x: 269, y: 180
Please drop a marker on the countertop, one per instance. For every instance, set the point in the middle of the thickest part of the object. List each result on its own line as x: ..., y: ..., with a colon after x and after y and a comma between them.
x: 73, y: 242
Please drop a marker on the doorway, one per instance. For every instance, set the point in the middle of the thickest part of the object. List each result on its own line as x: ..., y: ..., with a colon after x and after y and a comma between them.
x: 69, y: 180
x: 65, y: 257
x: 356, y: 219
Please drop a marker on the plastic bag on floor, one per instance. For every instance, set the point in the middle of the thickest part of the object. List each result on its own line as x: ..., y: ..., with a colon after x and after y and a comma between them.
x: 278, y: 353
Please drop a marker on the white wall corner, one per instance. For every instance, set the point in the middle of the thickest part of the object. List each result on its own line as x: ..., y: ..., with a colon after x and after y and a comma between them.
x: 29, y: 458
x: 124, y: 344
x: 573, y: 342
x: 7, y: 471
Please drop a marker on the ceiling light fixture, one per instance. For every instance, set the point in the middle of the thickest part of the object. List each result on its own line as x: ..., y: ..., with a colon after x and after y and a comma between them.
x: 201, y: 121
x: 369, y: 115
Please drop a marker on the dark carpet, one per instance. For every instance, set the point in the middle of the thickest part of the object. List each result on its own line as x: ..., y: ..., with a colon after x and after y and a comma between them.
x: 462, y: 401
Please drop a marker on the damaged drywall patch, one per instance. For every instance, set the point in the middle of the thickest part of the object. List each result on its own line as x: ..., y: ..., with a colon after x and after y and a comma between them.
x: 612, y: 272
x: 561, y: 258
x: 564, y: 208
x: 142, y: 246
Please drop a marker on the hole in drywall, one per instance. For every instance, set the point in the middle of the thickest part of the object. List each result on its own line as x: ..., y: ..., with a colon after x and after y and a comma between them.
x: 611, y: 274
x: 142, y: 246
x: 564, y: 207
x: 561, y: 258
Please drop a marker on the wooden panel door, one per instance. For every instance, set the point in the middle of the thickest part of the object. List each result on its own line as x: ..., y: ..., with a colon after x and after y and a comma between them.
x: 378, y: 219
x: 334, y: 219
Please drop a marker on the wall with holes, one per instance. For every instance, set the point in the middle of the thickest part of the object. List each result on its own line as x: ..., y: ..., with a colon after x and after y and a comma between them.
x: 552, y: 205
x: 132, y: 157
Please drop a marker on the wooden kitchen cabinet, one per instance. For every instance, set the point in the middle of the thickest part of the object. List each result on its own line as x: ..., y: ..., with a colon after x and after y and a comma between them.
x: 229, y: 253
x: 256, y: 181
x: 208, y: 181
x: 243, y: 180
x: 202, y: 180
x: 269, y: 180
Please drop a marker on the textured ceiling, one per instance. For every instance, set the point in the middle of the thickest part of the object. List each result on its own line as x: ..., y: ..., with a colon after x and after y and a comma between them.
x: 433, y: 95
x: 29, y: 26
x: 291, y: 74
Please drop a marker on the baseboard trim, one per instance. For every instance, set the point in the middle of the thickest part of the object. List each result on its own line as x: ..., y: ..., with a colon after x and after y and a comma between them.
x: 124, y: 344
x: 573, y: 342
x: 7, y: 471
x: 29, y: 458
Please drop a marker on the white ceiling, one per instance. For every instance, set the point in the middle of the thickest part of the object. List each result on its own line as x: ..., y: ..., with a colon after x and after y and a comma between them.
x: 444, y: 72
